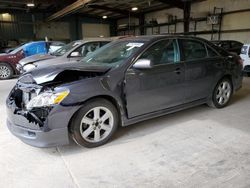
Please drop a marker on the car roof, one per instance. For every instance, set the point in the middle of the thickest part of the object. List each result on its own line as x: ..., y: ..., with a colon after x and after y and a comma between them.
x: 156, y: 37
x: 225, y: 41
x: 92, y: 40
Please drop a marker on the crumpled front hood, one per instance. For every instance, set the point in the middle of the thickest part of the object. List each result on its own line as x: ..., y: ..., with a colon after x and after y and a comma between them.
x: 35, y: 58
x: 66, y: 72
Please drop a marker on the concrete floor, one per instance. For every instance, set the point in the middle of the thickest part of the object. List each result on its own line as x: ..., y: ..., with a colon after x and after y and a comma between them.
x: 198, y: 147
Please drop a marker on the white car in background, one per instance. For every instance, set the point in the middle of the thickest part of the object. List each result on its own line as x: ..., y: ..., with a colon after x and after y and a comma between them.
x: 245, y: 56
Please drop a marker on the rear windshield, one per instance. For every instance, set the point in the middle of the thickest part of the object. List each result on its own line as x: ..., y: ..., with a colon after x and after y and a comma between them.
x: 244, y: 50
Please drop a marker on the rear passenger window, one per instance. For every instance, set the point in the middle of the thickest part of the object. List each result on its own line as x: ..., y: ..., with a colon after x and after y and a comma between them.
x: 225, y: 45
x: 211, y: 52
x: 235, y: 44
x: 193, y: 50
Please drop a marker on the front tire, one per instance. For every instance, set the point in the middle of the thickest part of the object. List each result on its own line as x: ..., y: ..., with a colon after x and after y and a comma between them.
x: 222, y: 93
x: 6, y: 71
x: 95, y: 123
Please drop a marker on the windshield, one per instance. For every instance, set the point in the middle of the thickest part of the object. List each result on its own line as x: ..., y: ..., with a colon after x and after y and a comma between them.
x: 61, y: 51
x: 17, y: 49
x: 112, y: 54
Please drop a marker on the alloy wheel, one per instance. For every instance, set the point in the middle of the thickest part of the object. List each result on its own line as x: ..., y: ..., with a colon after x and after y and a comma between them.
x: 223, y: 93
x: 96, y: 124
x: 4, y: 72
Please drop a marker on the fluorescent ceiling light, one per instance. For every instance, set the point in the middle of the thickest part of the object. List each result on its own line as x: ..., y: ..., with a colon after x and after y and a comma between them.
x: 134, y: 8
x: 30, y: 4
x: 104, y: 17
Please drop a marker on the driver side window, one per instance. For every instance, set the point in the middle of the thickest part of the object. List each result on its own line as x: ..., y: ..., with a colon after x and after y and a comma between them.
x: 162, y: 52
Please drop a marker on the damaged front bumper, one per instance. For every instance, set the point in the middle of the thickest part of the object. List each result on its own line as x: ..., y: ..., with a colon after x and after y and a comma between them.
x: 39, y: 138
x: 40, y: 127
x: 27, y: 127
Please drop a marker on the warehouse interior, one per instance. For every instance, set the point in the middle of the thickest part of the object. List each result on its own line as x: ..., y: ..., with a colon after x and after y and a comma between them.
x: 61, y: 20
x: 196, y: 147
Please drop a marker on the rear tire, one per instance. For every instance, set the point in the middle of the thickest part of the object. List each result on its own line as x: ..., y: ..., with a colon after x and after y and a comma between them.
x: 6, y: 71
x: 222, y: 94
x: 95, y: 123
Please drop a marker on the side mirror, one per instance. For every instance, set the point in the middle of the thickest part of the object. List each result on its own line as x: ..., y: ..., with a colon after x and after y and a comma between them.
x: 75, y: 54
x: 143, y: 64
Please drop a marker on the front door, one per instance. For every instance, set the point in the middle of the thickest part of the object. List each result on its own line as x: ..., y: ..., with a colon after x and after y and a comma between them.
x: 159, y: 87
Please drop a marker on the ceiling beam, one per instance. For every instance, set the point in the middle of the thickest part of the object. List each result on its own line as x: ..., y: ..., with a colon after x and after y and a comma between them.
x: 115, y: 10
x: 69, y: 9
x: 174, y: 3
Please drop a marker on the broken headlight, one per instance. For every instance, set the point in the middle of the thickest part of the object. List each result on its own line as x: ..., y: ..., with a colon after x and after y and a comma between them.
x: 47, y: 99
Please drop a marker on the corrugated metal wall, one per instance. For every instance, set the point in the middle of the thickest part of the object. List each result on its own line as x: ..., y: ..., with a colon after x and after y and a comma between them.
x: 18, y: 26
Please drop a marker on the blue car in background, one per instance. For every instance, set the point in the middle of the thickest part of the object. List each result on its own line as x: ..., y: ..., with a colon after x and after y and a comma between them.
x: 8, y: 61
x: 41, y: 47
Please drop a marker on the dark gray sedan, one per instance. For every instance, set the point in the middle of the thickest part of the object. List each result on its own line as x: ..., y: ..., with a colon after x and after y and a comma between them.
x: 124, y: 82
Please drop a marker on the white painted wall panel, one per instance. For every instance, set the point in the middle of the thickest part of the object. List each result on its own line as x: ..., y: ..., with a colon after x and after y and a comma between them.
x: 95, y: 30
x: 162, y: 16
x: 228, y: 5
x: 240, y: 36
x: 230, y: 21
x: 202, y: 9
x: 205, y: 36
x: 236, y: 21
x: 203, y: 26
x: 53, y: 30
x: 126, y: 21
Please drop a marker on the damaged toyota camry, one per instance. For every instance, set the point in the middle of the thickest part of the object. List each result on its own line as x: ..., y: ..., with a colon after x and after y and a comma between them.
x: 124, y: 82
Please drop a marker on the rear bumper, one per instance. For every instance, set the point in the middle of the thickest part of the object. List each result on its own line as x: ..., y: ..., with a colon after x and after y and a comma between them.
x: 39, y: 138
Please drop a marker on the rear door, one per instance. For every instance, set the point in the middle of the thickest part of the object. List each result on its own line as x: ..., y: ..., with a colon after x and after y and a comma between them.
x: 159, y: 87
x: 199, y: 71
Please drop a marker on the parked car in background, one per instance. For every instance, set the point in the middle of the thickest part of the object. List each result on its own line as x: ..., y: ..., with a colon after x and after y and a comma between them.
x: 124, y: 82
x: 229, y: 45
x: 8, y: 61
x: 72, y: 52
x: 245, y: 56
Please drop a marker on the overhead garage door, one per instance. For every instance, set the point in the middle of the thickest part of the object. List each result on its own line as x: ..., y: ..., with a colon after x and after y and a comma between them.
x: 95, y: 30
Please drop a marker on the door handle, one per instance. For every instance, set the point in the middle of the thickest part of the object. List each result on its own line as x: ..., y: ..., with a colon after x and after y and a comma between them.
x: 178, y: 71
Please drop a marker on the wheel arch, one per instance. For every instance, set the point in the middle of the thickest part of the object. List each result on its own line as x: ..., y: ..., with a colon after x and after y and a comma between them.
x: 118, y: 105
x: 230, y: 78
